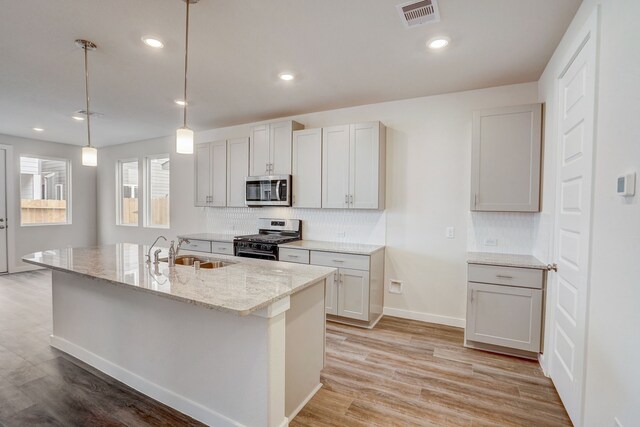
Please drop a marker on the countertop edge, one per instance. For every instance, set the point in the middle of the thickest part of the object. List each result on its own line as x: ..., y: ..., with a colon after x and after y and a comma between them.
x: 244, y: 312
x: 292, y: 245
x: 535, y: 264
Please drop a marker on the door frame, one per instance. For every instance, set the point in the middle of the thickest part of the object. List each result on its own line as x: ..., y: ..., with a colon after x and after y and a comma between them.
x: 13, y: 212
x: 589, y: 31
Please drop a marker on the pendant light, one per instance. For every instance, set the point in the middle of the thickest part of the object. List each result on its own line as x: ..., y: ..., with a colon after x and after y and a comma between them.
x: 184, y: 135
x: 89, y: 153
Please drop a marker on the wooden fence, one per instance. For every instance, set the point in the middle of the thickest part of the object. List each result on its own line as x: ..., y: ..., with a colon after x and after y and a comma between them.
x: 159, y: 211
x: 43, y: 211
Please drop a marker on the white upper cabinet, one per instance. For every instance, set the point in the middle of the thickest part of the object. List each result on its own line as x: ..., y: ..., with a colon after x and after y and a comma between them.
x: 202, y: 189
x: 353, y: 166
x: 506, y: 151
x: 237, y: 171
x: 335, y: 167
x: 307, y: 168
x: 270, y: 148
x: 220, y: 171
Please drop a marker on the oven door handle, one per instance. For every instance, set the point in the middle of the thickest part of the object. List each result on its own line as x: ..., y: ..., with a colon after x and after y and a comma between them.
x: 278, y: 183
x: 240, y: 253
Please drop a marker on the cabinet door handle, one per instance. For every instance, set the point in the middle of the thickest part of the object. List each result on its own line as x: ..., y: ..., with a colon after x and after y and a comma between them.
x: 337, y: 260
x: 351, y: 199
x: 346, y: 199
x: 502, y: 276
x: 472, y: 291
x: 293, y: 256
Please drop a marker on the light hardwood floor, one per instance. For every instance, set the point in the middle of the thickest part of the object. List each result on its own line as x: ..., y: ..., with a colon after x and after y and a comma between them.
x: 408, y: 373
x: 402, y: 373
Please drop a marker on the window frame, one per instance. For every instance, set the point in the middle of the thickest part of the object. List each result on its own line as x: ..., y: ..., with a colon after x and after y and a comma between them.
x: 146, y: 194
x: 119, y: 193
x: 68, y: 182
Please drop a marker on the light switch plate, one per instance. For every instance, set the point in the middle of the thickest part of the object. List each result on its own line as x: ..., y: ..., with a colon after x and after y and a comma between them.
x: 491, y: 241
x: 451, y: 232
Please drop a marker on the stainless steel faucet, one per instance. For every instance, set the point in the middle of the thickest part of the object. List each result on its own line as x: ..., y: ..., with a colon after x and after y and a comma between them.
x: 181, y: 240
x: 172, y: 255
x: 155, y: 261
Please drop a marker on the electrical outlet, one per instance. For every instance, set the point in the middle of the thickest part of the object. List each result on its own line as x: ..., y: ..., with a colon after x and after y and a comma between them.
x: 451, y: 233
x: 491, y: 241
x: 340, y: 234
x: 395, y: 286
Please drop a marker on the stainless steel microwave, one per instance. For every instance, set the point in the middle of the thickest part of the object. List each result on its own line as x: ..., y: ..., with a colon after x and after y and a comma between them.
x: 271, y: 190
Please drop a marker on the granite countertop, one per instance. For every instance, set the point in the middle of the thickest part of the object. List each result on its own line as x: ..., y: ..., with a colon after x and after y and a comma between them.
x: 213, y: 237
x: 241, y: 288
x: 508, y: 260
x: 316, y: 245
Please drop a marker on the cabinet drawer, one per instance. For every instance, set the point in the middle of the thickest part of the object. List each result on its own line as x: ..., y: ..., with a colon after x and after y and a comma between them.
x: 300, y: 256
x: 510, y: 276
x: 197, y: 245
x: 225, y: 248
x: 340, y: 260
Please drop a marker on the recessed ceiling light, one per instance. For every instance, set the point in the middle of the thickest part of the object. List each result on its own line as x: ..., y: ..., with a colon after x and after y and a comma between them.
x: 152, y: 42
x: 286, y: 76
x: 38, y: 129
x: 181, y: 102
x: 78, y: 118
x: 438, y: 43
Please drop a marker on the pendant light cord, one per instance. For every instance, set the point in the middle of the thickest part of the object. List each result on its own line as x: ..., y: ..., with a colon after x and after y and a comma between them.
x: 186, y: 57
x: 86, y: 89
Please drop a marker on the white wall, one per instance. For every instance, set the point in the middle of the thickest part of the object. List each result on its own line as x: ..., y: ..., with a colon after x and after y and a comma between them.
x: 428, y: 179
x: 613, y: 342
x: 82, y: 230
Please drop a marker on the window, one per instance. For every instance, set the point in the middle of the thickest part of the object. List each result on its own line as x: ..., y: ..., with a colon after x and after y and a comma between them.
x: 157, y: 191
x: 127, y: 179
x: 44, y: 191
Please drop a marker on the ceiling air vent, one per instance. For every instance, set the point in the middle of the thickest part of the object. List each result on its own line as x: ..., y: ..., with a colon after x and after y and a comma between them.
x: 419, y: 12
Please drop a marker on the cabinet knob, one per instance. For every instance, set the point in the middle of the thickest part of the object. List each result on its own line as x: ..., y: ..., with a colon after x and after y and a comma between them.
x: 552, y: 267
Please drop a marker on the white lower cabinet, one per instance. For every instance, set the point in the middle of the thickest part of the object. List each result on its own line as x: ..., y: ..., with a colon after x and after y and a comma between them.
x: 355, y: 290
x: 225, y: 248
x: 353, y: 294
x: 508, y: 316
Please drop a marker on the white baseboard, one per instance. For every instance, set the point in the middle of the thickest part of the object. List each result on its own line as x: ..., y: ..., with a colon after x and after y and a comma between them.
x: 304, y: 402
x: 180, y: 403
x: 425, y: 317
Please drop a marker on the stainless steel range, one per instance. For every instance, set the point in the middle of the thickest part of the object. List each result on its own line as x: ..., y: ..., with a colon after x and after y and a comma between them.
x: 272, y: 232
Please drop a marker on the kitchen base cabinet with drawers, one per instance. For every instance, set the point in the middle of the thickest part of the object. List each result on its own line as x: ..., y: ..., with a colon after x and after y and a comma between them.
x: 354, y: 295
x: 208, y: 246
x: 505, y: 309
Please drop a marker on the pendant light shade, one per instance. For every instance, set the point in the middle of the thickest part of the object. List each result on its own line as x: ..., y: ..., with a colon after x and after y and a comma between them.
x: 89, y: 153
x: 89, y: 156
x: 184, y: 141
x: 184, y: 135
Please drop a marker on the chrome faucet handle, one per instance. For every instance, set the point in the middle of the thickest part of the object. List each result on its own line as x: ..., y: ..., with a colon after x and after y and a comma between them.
x: 156, y: 256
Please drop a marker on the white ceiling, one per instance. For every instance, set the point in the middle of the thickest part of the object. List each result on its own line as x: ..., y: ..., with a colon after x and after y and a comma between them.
x: 343, y: 52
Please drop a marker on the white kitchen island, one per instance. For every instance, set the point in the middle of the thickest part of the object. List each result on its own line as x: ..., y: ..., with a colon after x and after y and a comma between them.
x: 237, y: 345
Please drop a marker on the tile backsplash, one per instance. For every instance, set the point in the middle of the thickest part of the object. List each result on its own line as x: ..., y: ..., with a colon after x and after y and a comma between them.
x: 332, y: 225
x: 506, y: 232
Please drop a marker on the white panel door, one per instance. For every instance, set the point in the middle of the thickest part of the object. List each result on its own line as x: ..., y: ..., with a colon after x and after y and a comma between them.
x: 365, y: 158
x: 260, y: 151
x: 202, y: 175
x: 335, y: 167
x: 219, y: 173
x: 237, y: 171
x: 508, y: 316
x: 280, y: 139
x: 3, y: 212
x: 307, y: 168
x: 331, y: 294
x: 353, y: 294
x: 572, y: 229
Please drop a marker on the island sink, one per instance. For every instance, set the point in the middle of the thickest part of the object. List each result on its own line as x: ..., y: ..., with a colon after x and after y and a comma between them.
x: 208, y: 263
